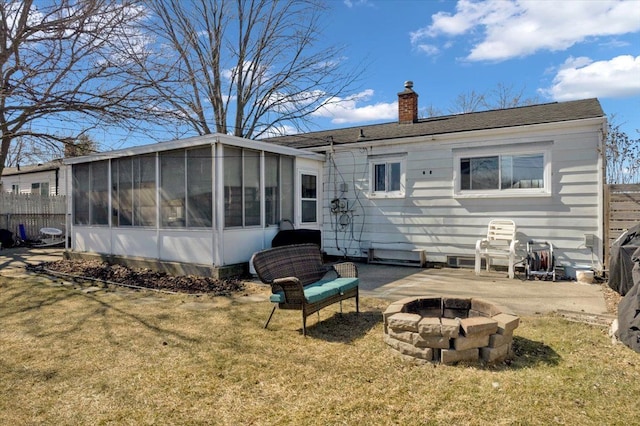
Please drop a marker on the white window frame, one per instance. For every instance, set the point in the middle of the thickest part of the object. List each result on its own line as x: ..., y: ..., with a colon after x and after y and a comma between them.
x: 387, y: 159
x: 534, y: 148
x: 316, y: 199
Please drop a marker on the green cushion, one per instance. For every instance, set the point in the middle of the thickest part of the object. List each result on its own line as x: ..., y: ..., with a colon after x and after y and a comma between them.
x: 277, y: 297
x: 315, y: 294
x: 342, y: 284
x: 321, y: 289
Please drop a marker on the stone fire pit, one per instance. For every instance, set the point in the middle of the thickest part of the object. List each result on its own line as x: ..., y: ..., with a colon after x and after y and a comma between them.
x: 449, y: 330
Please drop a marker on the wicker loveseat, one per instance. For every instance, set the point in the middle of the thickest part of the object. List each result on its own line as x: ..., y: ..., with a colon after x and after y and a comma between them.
x: 299, y: 279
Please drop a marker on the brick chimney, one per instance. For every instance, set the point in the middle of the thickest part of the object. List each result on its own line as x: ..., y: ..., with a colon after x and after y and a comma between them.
x: 407, y: 104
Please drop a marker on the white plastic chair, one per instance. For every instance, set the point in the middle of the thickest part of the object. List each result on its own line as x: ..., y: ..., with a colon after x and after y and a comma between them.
x: 500, y: 243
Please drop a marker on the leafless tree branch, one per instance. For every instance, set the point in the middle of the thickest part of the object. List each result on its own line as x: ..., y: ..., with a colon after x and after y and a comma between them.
x: 66, y: 61
x: 244, y: 67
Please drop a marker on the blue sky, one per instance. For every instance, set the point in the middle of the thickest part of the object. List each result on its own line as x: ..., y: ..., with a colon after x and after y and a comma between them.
x: 552, y: 50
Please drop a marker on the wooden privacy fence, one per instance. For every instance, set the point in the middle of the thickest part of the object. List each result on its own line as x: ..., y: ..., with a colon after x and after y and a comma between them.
x: 622, y: 211
x: 32, y: 211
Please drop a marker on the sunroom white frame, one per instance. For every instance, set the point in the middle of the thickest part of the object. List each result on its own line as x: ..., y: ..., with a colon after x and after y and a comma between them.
x: 217, y: 246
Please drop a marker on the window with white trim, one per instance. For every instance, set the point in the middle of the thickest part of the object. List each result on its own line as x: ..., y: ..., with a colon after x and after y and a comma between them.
x: 40, y: 188
x: 309, y: 197
x: 520, y: 172
x: 387, y: 176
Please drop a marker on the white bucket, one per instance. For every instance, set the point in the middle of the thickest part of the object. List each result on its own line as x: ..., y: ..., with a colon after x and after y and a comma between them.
x: 584, y: 277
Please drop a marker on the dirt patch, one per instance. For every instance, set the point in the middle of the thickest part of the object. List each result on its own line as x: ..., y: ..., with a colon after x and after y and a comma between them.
x: 144, y: 278
x: 611, y: 298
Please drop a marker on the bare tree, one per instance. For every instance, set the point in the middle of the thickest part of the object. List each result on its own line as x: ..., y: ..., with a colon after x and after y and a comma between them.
x: 468, y: 102
x: 61, y: 64
x: 430, y: 111
x: 242, y: 67
x: 503, y: 96
x: 623, y: 155
x: 25, y: 150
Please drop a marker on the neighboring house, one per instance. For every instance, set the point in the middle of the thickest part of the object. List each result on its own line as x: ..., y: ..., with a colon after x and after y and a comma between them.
x: 43, y: 179
x: 433, y: 184
x: 209, y: 200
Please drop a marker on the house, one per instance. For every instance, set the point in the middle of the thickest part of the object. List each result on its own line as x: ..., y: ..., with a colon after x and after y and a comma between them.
x: 425, y: 187
x: 42, y: 179
x: 209, y: 200
x: 432, y: 185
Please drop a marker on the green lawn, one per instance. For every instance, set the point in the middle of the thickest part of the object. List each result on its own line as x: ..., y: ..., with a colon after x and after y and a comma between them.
x: 118, y: 356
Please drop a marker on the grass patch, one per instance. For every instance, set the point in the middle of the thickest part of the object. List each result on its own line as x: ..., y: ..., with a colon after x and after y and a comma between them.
x: 70, y: 354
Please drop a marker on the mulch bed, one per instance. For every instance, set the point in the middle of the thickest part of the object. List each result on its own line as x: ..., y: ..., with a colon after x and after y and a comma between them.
x: 138, y: 278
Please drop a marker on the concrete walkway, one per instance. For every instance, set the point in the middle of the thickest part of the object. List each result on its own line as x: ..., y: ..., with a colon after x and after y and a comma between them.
x: 13, y: 260
x: 395, y: 282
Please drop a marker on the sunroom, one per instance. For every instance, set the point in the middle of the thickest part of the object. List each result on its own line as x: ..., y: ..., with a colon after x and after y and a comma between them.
x: 209, y: 200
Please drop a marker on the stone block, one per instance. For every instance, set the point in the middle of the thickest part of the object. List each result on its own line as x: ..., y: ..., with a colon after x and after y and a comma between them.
x: 430, y: 326
x: 455, y: 313
x: 425, y: 304
x: 499, y: 353
x: 484, y: 307
x: 504, y: 310
x: 390, y: 340
x: 409, y: 350
x: 437, y: 342
x: 462, y: 343
x: 450, y: 356
x: 478, y: 326
x: 403, y: 336
x: 433, y: 312
x: 496, y: 340
x: 405, y: 301
x: 456, y: 303
x: 450, y: 327
x: 392, y: 309
x: 404, y: 322
x: 506, y: 323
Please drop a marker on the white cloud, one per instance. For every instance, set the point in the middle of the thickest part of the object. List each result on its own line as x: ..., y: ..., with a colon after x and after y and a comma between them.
x: 580, y: 78
x: 519, y: 28
x: 429, y: 49
x: 579, y: 62
x: 346, y: 110
x: 353, y: 3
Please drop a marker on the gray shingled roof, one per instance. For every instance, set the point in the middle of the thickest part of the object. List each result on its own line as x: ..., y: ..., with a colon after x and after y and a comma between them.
x: 32, y: 168
x: 483, y: 120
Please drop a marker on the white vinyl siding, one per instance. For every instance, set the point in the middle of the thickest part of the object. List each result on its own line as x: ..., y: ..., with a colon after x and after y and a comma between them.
x: 438, y: 217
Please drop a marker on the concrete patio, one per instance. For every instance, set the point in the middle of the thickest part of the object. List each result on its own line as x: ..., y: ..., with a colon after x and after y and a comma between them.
x: 522, y: 297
